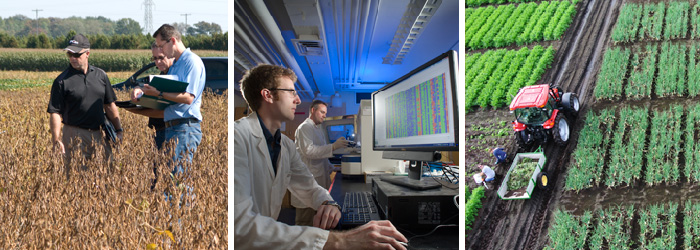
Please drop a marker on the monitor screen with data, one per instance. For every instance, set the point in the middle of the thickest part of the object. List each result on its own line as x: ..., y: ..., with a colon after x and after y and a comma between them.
x: 418, y: 112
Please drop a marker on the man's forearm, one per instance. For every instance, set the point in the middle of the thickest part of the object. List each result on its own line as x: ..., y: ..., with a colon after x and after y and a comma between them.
x: 55, y: 126
x: 113, y: 115
x: 182, y: 97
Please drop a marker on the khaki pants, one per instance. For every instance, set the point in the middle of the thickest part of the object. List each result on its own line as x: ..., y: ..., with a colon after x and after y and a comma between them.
x: 86, y: 146
x: 305, y: 217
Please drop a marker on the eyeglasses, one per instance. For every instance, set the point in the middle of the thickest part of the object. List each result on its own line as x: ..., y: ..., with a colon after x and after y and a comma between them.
x: 294, y: 92
x: 158, y: 58
x: 161, y: 46
x: 74, y: 55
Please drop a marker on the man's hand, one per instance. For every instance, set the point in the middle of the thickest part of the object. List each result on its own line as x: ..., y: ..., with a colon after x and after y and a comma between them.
x: 136, y: 93
x: 373, y: 235
x: 150, y: 90
x: 120, y: 135
x: 340, y: 143
x: 327, y: 217
x: 58, y: 145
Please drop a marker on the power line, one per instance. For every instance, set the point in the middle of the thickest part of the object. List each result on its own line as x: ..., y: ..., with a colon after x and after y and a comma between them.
x: 148, y: 15
x: 186, y: 18
x: 37, y: 20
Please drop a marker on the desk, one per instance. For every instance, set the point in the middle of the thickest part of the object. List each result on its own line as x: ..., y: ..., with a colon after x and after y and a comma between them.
x: 442, y: 238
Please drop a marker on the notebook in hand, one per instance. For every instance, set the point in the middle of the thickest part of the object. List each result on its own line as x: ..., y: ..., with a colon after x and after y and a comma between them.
x: 163, y: 83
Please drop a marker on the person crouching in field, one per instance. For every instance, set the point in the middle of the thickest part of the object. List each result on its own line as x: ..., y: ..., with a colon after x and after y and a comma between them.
x: 80, y: 97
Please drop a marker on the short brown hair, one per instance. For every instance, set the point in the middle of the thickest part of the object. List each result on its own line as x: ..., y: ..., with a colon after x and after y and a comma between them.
x: 315, y: 103
x: 261, y: 77
x: 167, y: 31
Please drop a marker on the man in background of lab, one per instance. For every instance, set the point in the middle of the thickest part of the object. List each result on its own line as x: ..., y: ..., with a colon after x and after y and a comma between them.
x: 310, y: 140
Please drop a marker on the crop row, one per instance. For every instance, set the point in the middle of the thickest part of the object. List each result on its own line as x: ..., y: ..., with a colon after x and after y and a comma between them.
x: 475, y: 3
x: 645, y: 21
x: 56, y: 60
x: 692, y: 143
x: 664, y: 146
x: 495, y: 27
x: 674, y: 70
x: 473, y: 205
x: 494, y: 77
x: 624, y: 138
x: 612, y: 228
x: 612, y: 73
x: 627, y: 151
x: 593, y: 138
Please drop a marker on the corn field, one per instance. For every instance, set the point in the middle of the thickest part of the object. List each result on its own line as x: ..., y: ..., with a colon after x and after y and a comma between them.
x: 44, y: 205
x: 20, y: 79
x: 56, y: 60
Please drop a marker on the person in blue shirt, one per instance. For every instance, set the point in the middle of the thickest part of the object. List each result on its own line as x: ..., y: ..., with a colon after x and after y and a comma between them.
x: 500, y: 155
x: 182, y: 120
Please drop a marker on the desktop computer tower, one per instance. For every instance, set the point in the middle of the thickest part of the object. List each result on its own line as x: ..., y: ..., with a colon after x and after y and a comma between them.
x: 415, y: 209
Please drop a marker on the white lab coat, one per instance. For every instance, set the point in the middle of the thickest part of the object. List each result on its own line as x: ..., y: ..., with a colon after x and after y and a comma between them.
x: 258, y: 192
x: 311, y: 144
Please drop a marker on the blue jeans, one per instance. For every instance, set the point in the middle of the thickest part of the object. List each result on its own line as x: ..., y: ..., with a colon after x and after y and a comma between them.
x: 188, y: 136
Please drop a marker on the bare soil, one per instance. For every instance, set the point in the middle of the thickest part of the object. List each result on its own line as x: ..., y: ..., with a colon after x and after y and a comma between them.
x: 523, y: 224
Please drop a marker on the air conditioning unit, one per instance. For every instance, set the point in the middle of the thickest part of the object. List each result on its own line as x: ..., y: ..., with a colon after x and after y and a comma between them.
x: 308, y: 47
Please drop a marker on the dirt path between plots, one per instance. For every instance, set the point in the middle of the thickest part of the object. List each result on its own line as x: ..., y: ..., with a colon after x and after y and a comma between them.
x: 523, y: 224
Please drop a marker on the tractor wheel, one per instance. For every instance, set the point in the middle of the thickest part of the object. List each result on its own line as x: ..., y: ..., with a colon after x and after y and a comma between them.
x: 542, y: 180
x: 570, y: 103
x: 561, y: 131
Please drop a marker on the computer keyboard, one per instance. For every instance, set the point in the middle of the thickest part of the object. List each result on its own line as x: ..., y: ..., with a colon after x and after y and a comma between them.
x: 358, y: 209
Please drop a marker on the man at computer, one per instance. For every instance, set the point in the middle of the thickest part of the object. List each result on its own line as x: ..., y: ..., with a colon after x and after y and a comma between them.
x: 311, y: 144
x: 266, y: 164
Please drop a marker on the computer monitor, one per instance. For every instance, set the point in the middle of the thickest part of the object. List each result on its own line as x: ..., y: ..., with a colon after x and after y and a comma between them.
x: 416, y: 115
x: 340, y: 127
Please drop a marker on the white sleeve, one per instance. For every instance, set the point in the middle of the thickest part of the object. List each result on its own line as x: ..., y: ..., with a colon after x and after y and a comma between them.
x: 305, y: 143
x: 255, y: 231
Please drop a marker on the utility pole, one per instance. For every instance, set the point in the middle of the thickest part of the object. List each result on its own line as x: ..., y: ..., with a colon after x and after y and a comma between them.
x: 185, y: 20
x: 148, y: 15
x: 37, y: 19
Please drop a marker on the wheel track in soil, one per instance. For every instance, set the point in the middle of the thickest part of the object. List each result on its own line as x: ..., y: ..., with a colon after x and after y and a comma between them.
x: 520, y: 224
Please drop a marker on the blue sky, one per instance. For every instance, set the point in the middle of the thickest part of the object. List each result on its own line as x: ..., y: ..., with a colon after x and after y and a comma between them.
x: 164, y: 11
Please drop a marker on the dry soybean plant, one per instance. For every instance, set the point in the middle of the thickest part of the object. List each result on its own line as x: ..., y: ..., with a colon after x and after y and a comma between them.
x: 43, y: 205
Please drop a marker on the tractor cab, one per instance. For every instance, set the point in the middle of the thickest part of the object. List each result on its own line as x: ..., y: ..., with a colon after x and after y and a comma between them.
x: 540, y: 112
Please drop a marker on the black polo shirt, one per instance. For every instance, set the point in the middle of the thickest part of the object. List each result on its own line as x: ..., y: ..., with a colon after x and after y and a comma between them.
x: 79, y: 98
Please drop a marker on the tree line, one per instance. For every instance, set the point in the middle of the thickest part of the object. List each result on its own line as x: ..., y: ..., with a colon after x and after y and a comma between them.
x: 21, y: 32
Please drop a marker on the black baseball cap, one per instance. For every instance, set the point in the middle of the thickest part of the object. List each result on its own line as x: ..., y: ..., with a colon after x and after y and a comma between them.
x: 77, y: 43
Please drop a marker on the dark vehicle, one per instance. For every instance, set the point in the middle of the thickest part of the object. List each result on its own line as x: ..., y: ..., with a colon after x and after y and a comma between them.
x: 216, y: 68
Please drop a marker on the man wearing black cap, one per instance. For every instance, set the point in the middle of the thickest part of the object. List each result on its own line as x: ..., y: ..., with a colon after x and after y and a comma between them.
x: 80, y: 97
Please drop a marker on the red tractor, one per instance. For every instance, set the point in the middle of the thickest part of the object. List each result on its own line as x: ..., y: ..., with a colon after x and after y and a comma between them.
x: 541, y: 113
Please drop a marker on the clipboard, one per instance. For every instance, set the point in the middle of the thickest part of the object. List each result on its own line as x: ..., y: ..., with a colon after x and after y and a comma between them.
x: 163, y: 83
